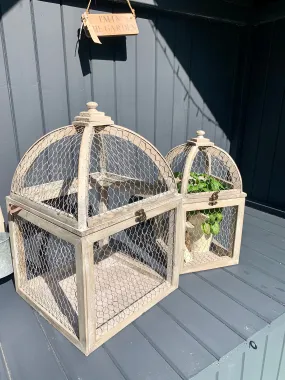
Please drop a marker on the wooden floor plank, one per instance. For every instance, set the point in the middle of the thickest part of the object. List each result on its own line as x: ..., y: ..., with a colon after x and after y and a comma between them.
x: 265, y: 216
x: 267, y: 285
x: 27, y: 351
x: 231, y: 313
x: 76, y: 365
x: 252, y: 299
x: 263, y: 263
x: 257, y: 233
x: 201, y: 324
x: 137, y: 358
x: 182, y: 337
x: 187, y: 356
x: 265, y: 225
x: 3, y: 366
x: 266, y: 249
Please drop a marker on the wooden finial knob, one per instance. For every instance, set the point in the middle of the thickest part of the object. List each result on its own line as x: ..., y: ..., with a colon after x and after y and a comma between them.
x: 92, y: 105
x: 200, y: 134
x: 92, y: 117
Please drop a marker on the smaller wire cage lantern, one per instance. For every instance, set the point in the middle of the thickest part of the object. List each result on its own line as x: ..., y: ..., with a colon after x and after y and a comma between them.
x: 93, y: 215
x: 213, y: 204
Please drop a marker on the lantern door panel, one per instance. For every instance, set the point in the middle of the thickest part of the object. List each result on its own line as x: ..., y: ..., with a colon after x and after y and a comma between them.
x: 212, y: 235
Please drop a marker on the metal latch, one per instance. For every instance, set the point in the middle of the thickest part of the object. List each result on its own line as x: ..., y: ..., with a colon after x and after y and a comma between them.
x: 141, y: 216
x: 214, y: 198
x: 12, y: 209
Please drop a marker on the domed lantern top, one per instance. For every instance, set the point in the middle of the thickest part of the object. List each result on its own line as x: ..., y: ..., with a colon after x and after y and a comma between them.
x: 92, y: 169
x: 203, y: 169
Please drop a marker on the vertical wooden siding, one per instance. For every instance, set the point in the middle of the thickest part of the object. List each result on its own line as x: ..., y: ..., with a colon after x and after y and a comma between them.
x: 176, y: 76
x: 262, y: 158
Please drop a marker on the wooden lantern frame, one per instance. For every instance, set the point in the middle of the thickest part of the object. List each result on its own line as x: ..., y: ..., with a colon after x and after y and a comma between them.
x: 233, y: 197
x: 239, y: 202
x: 82, y: 232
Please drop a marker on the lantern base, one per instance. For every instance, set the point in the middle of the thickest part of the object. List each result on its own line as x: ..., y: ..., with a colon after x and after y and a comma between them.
x: 122, y: 283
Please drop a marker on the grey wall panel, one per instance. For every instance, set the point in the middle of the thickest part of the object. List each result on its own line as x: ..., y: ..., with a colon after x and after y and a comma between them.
x: 9, y: 152
x: 272, y: 109
x: 232, y: 12
x: 262, y: 157
x: 257, y: 89
x: 231, y: 366
x: 79, y: 80
x: 175, y: 77
x: 165, y: 45
x: 102, y: 69
x: 146, y: 63
x: 126, y: 83
x: 51, y: 63
x: 274, y: 347
x: 281, y: 368
x: 23, y: 70
x: 253, y: 362
x: 182, y: 75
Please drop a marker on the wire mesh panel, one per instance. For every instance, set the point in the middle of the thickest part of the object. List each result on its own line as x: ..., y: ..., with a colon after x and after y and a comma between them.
x: 209, y: 235
x: 80, y: 183
x: 207, y: 176
x: 209, y: 161
x: 176, y: 158
x: 48, y: 274
x: 48, y: 173
x: 132, y: 267
x: 124, y: 169
x: 217, y: 164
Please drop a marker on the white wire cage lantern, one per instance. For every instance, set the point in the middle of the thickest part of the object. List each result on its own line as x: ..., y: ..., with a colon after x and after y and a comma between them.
x: 93, y: 217
x: 213, y: 204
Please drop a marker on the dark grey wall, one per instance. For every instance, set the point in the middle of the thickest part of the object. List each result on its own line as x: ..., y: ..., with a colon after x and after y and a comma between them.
x: 178, y: 75
x: 262, y: 159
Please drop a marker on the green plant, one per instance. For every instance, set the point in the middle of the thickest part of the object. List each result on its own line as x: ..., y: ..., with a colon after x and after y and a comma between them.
x: 201, y: 183
x: 212, y: 223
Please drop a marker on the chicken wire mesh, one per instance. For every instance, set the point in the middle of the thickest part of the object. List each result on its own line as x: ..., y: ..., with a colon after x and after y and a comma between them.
x: 124, y: 172
x: 47, y: 272
x: 209, y: 161
x: 123, y: 168
x: 133, y: 267
x: 209, y: 235
x: 176, y: 158
x: 48, y: 173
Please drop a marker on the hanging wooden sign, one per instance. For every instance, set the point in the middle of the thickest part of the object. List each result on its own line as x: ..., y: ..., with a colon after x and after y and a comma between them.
x: 113, y: 24
x: 109, y: 24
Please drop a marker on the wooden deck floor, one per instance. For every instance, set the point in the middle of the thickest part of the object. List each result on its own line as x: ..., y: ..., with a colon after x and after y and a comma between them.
x: 202, y: 331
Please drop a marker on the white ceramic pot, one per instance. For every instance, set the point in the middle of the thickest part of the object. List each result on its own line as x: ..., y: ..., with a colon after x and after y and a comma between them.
x: 196, y: 240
